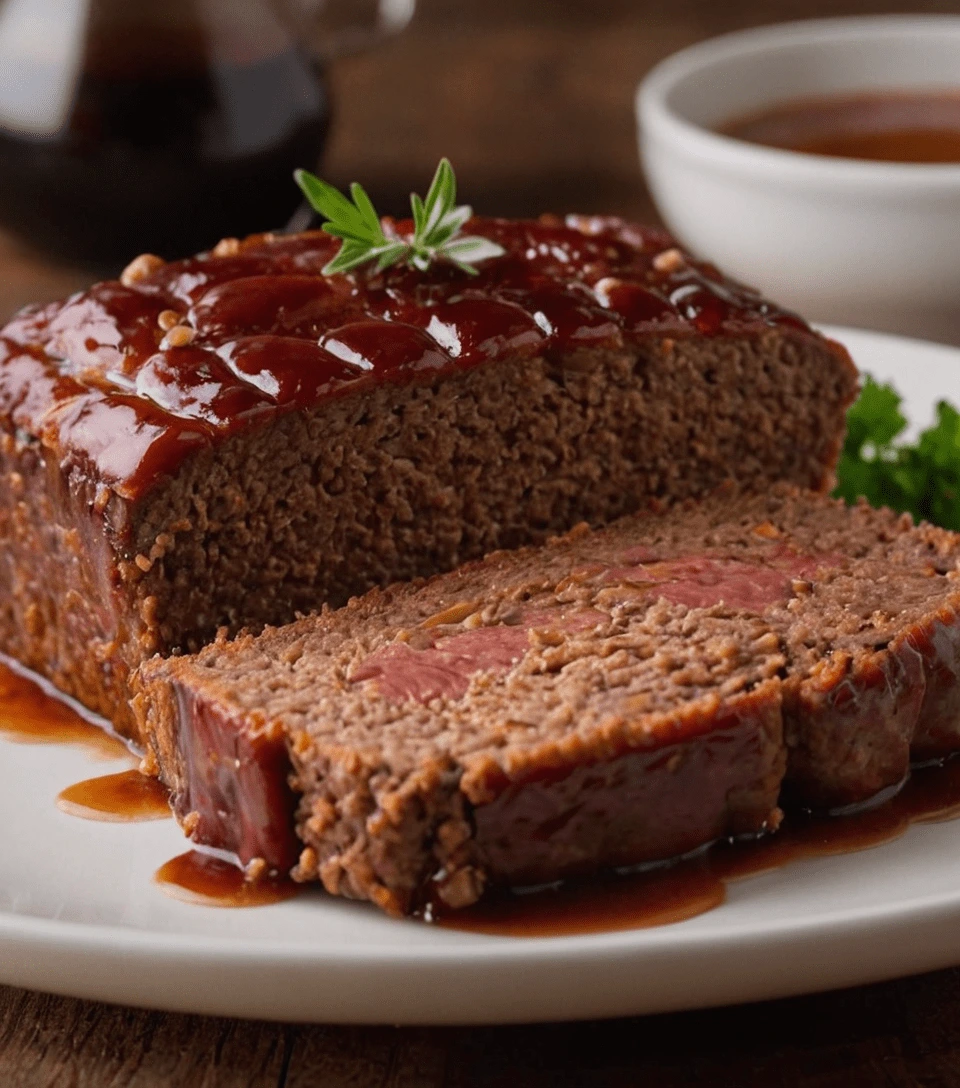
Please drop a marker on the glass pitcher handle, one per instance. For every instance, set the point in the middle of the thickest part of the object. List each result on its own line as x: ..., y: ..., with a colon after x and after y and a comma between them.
x: 333, y: 29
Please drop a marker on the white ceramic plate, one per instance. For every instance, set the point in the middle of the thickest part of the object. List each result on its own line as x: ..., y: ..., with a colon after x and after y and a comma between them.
x: 80, y: 914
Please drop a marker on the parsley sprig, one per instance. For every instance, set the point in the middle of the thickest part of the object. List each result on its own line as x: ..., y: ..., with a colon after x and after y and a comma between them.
x: 922, y: 478
x: 437, y: 222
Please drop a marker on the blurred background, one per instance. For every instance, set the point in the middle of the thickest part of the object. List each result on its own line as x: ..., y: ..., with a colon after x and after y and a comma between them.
x: 532, y: 100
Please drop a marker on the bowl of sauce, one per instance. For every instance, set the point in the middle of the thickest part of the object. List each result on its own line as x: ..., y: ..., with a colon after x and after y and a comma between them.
x: 819, y: 161
x: 921, y: 126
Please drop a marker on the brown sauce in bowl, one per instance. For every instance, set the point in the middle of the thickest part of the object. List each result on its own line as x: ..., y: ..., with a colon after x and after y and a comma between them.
x: 887, y: 126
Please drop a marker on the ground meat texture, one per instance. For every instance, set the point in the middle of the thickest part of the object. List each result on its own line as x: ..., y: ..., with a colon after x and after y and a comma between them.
x: 609, y: 698
x: 226, y: 441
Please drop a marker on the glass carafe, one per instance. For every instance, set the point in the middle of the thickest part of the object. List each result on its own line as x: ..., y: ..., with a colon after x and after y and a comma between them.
x: 164, y: 125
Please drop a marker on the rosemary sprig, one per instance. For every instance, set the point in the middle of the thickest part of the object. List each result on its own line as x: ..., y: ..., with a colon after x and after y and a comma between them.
x: 437, y: 222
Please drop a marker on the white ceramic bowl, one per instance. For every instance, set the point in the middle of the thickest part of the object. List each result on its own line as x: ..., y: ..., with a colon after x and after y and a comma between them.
x: 861, y: 243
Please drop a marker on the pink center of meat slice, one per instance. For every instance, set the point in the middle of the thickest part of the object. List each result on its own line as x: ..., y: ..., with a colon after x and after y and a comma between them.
x: 445, y: 667
x: 700, y: 581
x: 697, y: 581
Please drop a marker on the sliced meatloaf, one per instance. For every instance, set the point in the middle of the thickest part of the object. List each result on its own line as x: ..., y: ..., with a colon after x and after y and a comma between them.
x: 227, y: 440
x: 610, y: 698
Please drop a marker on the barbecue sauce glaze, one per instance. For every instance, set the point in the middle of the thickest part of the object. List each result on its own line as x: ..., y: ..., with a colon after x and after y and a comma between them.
x: 128, y: 379
x: 31, y: 713
x: 198, y: 877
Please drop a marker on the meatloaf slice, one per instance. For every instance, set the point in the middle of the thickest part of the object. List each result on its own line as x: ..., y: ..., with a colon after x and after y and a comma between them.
x: 583, y: 741
x: 610, y: 698
x: 227, y: 440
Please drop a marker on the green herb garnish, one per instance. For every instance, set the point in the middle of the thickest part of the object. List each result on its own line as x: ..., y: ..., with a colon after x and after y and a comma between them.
x: 437, y: 222
x: 922, y: 479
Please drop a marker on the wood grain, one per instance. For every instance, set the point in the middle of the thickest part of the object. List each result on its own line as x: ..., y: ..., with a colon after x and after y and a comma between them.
x: 532, y: 99
x: 896, y: 1035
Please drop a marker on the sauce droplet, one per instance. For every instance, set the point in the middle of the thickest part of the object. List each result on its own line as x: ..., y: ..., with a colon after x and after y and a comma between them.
x: 31, y: 715
x: 127, y: 797
x: 210, y: 881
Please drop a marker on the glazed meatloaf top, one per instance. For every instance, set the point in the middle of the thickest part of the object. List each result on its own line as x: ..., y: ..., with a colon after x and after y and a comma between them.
x: 126, y: 380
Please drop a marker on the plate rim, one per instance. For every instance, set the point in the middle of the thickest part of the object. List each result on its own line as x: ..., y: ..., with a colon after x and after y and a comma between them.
x: 27, y: 942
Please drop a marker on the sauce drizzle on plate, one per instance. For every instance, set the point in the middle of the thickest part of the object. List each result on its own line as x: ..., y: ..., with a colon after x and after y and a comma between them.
x: 209, y: 881
x: 31, y: 715
x: 127, y: 797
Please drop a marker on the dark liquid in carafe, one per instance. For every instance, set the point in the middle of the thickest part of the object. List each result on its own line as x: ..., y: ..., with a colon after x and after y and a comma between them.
x: 167, y: 158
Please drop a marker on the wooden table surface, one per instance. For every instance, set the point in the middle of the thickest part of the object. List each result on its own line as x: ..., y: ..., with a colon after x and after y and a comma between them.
x: 532, y: 100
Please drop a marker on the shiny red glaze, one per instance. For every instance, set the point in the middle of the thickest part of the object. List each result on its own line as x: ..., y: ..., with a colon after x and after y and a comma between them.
x: 302, y: 306
x: 572, y: 319
x: 482, y: 328
x: 382, y: 349
x: 286, y: 369
x: 636, y: 305
x: 94, y: 377
x: 195, y: 383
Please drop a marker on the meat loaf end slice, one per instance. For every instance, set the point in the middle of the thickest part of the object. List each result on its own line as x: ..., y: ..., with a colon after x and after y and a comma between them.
x: 618, y: 740
x: 612, y: 697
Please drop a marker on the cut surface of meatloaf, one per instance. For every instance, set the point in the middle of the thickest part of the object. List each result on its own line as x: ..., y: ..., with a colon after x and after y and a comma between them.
x: 610, y: 698
x: 230, y: 439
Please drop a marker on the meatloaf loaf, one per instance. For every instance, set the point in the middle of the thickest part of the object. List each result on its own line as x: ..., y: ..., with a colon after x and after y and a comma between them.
x: 227, y: 440
x: 610, y: 698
